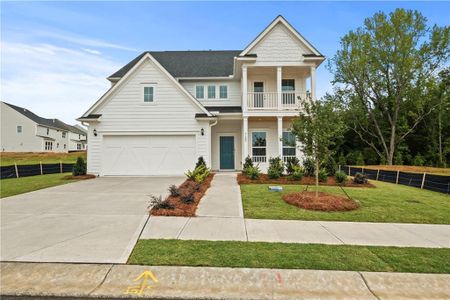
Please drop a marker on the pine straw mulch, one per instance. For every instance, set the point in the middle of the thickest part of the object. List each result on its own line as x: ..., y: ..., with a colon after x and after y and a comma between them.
x: 182, y: 209
x: 80, y: 177
x: 324, y: 201
x: 331, y: 181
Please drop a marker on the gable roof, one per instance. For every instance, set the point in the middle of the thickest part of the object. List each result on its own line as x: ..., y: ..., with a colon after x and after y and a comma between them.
x: 189, y: 63
x: 280, y: 19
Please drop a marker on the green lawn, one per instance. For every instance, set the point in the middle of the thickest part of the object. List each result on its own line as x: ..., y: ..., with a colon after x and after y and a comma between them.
x: 15, y: 186
x: 28, y: 158
x: 290, y: 256
x: 385, y: 203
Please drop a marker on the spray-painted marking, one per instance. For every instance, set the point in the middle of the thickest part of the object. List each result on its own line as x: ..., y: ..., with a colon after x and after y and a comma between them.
x: 279, y: 278
x: 143, y: 285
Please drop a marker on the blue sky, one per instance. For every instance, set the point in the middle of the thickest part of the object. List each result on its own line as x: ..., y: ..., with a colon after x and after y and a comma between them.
x: 55, y: 56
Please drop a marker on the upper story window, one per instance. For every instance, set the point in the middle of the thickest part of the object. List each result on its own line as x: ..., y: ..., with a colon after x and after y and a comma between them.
x: 288, y: 143
x: 211, y: 91
x: 19, y: 128
x: 200, y: 92
x: 48, y: 131
x: 288, y: 88
x: 63, y: 135
x: 149, y: 93
x: 223, y: 92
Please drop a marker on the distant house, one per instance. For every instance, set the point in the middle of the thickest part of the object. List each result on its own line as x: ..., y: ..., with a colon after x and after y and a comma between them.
x: 24, y: 131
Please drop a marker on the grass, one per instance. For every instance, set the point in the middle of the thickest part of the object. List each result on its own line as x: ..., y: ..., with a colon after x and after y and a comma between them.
x: 15, y: 186
x: 386, y: 203
x: 412, y: 169
x: 290, y: 256
x: 28, y: 158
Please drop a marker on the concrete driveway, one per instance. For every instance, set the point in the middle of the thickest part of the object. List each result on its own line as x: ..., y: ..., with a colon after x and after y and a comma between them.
x: 96, y: 221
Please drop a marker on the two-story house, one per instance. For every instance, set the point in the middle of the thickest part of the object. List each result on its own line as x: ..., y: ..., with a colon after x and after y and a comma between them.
x: 165, y: 109
x: 24, y: 131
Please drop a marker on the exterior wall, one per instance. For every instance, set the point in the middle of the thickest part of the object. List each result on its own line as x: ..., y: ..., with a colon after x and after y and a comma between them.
x: 125, y: 113
x: 234, y: 92
x: 279, y: 45
x: 226, y: 128
x: 56, y: 135
x: 74, y: 139
x: 10, y: 140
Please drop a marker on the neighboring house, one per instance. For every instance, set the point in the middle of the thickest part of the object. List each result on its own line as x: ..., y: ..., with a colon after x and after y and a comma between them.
x: 165, y: 109
x: 77, y: 138
x: 24, y: 131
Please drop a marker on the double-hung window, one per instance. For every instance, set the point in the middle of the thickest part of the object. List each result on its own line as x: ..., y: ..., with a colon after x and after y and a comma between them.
x: 211, y: 92
x: 200, y: 92
x: 63, y: 134
x: 223, y: 92
x: 149, y: 93
x: 48, y: 146
x: 259, y: 146
x: 288, y: 89
x: 288, y: 143
x: 19, y: 128
x: 48, y: 131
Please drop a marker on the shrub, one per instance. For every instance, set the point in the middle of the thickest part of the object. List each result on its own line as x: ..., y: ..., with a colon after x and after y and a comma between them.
x: 418, y: 160
x: 247, y: 163
x: 323, y: 176
x: 291, y: 162
x: 276, y: 168
x: 360, y: 159
x: 253, y: 172
x: 342, y: 161
x: 340, y: 176
x: 200, y: 162
x: 308, y: 167
x: 79, y: 168
x: 360, y: 178
x: 330, y: 166
x: 187, y: 198
x: 297, y: 173
x: 199, y: 174
x: 174, y: 191
x: 159, y: 203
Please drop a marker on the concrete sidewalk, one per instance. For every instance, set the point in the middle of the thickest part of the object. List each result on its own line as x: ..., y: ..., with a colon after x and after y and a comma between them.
x: 119, y: 281
x: 290, y: 231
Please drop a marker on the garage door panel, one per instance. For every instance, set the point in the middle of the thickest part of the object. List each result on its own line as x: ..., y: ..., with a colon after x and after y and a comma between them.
x: 148, y: 155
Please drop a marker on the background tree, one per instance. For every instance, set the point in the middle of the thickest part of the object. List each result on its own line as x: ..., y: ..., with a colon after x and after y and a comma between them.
x: 382, y: 74
x: 317, y: 127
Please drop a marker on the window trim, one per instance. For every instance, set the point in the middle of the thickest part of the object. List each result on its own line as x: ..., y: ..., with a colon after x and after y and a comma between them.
x: 228, y: 91
x: 288, y: 147
x: 142, y: 99
x: 215, y: 91
x: 48, y: 145
x: 17, y: 129
x: 258, y: 147
x: 195, y: 90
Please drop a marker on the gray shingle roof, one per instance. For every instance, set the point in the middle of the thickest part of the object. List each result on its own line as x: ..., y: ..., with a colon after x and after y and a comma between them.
x: 189, y: 63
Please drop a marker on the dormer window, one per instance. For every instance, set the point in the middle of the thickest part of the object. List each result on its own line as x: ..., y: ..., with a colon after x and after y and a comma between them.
x: 211, y: 92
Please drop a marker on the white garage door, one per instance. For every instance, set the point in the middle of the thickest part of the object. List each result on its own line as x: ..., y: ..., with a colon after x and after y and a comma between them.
x: 148, y: 155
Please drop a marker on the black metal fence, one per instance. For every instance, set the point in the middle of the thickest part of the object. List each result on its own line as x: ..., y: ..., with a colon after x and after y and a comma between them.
x: 437, y: 183
x: 16, y: 171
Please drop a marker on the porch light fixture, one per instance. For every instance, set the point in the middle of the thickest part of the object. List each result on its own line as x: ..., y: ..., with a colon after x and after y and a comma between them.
x: 95, y: 132
x: 202, y: 131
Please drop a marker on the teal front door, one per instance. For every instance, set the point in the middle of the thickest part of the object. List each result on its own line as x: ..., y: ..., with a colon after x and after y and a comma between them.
x: 227, y: 153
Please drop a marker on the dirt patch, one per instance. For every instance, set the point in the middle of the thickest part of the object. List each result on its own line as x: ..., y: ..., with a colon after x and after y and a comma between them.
x: 324, y: 201
x: 331, y: 181
x: 80, y: 177
x: 185, y: 209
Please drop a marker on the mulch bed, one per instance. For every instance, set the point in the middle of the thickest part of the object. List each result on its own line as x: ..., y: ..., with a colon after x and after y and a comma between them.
x: 324, y: 201
x: 182, y: 209
x: 80, y: 177
x: 331, y: 181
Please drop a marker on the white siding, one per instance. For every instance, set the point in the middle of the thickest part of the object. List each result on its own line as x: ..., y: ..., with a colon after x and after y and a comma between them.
x: 234, y: 92
x: 269, y: 76
x: 126, y: 113
x: 56, y: 136
x: 280, y: 45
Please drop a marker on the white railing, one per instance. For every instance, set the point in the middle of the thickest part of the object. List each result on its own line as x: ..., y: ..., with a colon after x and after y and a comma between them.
x: 286, y: 157
x: 259, y: 158
x: 276, y: 101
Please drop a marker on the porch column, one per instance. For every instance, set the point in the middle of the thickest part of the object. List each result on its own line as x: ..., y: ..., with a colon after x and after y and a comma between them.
x: 244, y: 138
x: 280, y: 136
x: 313, y: 83
x: 279, y: 77
x: 244, y: 88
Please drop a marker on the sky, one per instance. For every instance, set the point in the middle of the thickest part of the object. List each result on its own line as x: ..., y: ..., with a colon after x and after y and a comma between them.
x: 55, y: 56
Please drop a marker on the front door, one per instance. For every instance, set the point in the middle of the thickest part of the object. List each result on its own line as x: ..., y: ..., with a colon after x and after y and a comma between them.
x: 227, y: 153
x: 258, y: 90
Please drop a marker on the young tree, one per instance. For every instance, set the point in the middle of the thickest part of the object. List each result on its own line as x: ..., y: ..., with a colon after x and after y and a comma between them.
x: 382, y: 70
x: 317, y: 127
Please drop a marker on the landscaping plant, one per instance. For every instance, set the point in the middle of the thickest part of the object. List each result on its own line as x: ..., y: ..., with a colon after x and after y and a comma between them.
x: 248, y: 163
x: 200, y: 162
x: 276, y: 168
x: 330, y: 166
x: 252, y: 172
x: 159, y: 203
x: 187, y: 198
x: 340, y: 176
x: 297, y: 173
x: 309, y: 168
x: 291, y: 163
x: 323, y: 175
x: 199, y: 174
x: 79, y: 168
x: 174, y: 190
x: 360, y: 178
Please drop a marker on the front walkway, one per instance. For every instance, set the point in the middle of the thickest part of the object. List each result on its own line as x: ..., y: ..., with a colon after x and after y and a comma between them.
x: 220, y: 218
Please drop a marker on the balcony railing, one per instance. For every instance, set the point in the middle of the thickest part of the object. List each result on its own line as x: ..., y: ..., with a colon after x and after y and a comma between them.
x: 276, y: 101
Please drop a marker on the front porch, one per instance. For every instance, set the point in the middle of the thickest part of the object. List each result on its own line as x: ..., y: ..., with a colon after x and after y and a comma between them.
x: 261, y: 138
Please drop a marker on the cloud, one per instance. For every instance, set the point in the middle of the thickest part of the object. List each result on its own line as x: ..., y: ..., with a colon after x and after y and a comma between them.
x: 92, y: 51
x: 53, y: 81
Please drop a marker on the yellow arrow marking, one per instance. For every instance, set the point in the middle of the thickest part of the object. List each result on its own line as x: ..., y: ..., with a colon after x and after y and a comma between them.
x: 139, y: 289
x: 146, y: 275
